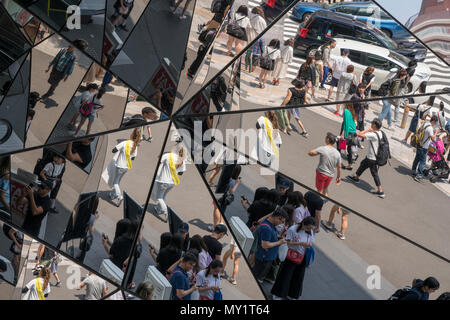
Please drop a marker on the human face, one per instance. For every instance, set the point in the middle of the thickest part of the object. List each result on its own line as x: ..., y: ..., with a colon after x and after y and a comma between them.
x: 308, y: 228
x: 188, y: 266
x: 216, y: 271
x: 429, y: 290
x: 58, y: 160
x: 333, y: 45
x: 279, y: 220
x: 43, y: 191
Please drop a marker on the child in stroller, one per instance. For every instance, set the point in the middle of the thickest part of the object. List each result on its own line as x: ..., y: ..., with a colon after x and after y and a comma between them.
x: 439, y: 168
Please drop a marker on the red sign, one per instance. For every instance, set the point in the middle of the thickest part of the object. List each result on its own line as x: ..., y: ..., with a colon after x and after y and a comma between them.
x: 22, y: 17
x: 161, y: 80
x: 17, y: 191
x: 200, y: 104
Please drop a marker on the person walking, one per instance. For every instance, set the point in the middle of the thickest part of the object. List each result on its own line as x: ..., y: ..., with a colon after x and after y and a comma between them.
x: 282, y: 64
x: 420, y: 158
x: 318, y: 66
x: 267, y: 62
x: 422, y: 111
x: 172, y: 165
x: 268, y: 243
x: 329, y: 164
x: 97, y: 104
x: 346, y: 86
x: 126, y: 152
x: 220, y: 10
x: 122, y: 9
x: 367, y: 78
x: 236, y: 31
x: 257, y: 23
x: 289, y: 281
x: 233, y: 253
x: 374, y: 135
x: 296, y: 96
x: 327, y: 62
x: 307, y: 73
x: 344, y: 220
x: 359, y: 106
x: 340, y: 65
x: 39, y: 287
x: 394, y: 89
x: 53, y: 172
x: 95, y: 286
x: 62, y: 66
x: 177, y: 4
x: 86, y: 97
x: 269, y: 139
x: 348, y: 134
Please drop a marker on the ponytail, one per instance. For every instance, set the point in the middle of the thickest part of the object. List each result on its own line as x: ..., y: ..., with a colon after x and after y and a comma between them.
x: 45, y: 274
x: 136, y: 138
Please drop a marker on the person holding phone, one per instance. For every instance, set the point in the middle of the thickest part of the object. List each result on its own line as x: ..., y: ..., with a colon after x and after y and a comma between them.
x: 208, y: 280
x: 181, y: 287
x: 289, y: 281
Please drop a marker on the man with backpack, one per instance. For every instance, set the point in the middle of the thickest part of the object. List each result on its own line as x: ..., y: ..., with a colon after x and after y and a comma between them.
x: 420, y: 290
x: 394, y: 85
x: 425, y: 134
x: 377, y: 155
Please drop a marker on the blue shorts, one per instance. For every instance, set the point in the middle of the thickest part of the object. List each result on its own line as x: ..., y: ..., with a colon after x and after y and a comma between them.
x: 334, y: 82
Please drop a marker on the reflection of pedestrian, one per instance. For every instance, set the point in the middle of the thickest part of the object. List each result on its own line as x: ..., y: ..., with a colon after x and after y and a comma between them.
x: 38, y: 288
x: 79, y: 152
x: 5, y: 189
x: 282, y: 64
x: 219, y: 15
x: 86, y: 97
x: 257, y: 23
x: 172, y: 165
x: 54, y: 267
x: 63, y: 64
x: 296, y: 96
x: 53, y: 172
x: 122, y: 10
x: 174, y: 9
x: 201, y: 52
x: 97, y: 104
x: 121, y: 163
x: 239, y: 36
x: 344, y: 222
x: 234, y: 254
x: 267, y: 64
x: 95, y: 287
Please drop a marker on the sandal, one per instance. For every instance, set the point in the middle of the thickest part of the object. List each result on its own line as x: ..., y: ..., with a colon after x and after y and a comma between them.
x: 233, y: 281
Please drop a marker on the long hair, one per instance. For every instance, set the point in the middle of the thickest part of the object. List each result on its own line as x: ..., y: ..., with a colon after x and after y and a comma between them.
x: 350, y: 108
x: 273, y: 118
x: 307, y: 63
x: 308, y: 221
x: 274, y: 43
x: 100, y: 93
x: 296, y: 199
x: 198, y: 243
x: 136, y: 138
x: 213, y: 265
x: 259, y: 11
x: 369, y: 70
x: 289, y: 42
x: 236, y: 172
x: 289, y: 208
x: 45, y: 274
x: 242, y: 10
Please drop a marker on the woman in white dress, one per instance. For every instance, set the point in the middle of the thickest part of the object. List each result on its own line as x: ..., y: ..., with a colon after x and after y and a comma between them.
x: 282, y: 64
x: 257, y: 23
x: 271, y: 54
x: 241, y: 20
x: 269, y: 139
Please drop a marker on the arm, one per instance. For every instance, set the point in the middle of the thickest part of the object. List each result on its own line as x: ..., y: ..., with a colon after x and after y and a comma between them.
x: 35, y: 210
x: 362, y: 134
x: 288, y: 97
x: 69, y: 72
x: 11, y: 234
x: 75, y: 157
x: 182, y: 293
x: 268, y: 244
x: 313, y: 153
x: 3, y: 199
x: 173, y: 266
x: 43, y: 174
x: 303, y: 244
x: 338, y: 176
x: 265, y: 217
x: 232, y: 190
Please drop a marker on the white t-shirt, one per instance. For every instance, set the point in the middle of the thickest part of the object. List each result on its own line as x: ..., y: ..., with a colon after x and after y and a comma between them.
x: 372, y: 137
x: 121, y: 159
x: 302, y: 236
x: 272, y: 52
x: 300, y: 213
x: 164, y: 175
x: 32, y: 294
x: 264, y: 138
x: 340, y: 65
x: 53, y: 170
x: 207, y: 281
x: 242, y: 21
x: 85, y: 96
x: 287, y: 54
x: 429, y: 131
x: 258, y: 23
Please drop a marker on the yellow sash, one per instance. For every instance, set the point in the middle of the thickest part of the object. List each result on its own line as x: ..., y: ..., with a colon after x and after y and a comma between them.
x: 39, y: 291
x: 127, y: 154
x: 269, y: 134
x: 173, y: 170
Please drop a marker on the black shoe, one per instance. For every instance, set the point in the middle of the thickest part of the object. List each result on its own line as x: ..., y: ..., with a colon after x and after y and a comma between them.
x: 355, y: 180
x: 379, y: 194
x: 123, y: 27
x: 53, y: 210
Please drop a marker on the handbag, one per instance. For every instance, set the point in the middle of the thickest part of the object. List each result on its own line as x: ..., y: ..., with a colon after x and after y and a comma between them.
x: 342, y: 144
x: 86, y: 108
x: 234, y: 30
x: 309, y: 256
x: 266, y: 62
x: 218, y: 295
x: 294, y: 256
x: 282, y: 252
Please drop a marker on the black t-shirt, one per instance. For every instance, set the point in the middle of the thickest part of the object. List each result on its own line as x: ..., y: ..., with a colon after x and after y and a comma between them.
x: 32, y: 223
x: 259, y: 209
x: 166, y: 258
x: 214, y: 246
x: 84, y: 151
x: 314, y: 202
x: 120, y: 250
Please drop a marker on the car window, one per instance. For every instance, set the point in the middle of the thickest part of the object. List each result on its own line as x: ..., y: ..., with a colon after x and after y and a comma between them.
x: 366, y: 11
x: 282, y: 4
x: 314, y: 29
x: 367, y: 37
x: 380, y: 62
x: 346, y: 9
x: 335, y: 30
x: 355, y: 56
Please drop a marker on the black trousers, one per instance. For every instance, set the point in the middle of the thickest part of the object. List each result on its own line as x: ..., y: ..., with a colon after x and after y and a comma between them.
x: 261, y: 268
x: 372, y: 165
x: 54, y: 80
x: 201, y: 53
x: 289, y: 281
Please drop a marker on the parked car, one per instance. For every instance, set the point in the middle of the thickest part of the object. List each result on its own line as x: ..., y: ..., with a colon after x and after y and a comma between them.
x: 363, y: 10
x: 324, y: 25
x: 386, y: 62
x: 271, y: 13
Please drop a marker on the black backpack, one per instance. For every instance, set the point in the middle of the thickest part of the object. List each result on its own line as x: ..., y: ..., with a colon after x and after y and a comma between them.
x: 134, y: 121
x: 206, y: 35
x: 384, y: 154
x: 401, y: 293
x: 384, y: 88
x: 216, y: 6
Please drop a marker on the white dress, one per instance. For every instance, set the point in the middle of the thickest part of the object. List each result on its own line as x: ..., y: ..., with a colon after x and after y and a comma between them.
x: 282, y: 64
x: 266, y: 153
x: 257, y: 25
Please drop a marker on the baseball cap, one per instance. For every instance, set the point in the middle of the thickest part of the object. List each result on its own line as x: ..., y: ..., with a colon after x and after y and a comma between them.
x: 221, y: 228
x: 47, y: 184
x: 283, y: 183
x: 184, y: 227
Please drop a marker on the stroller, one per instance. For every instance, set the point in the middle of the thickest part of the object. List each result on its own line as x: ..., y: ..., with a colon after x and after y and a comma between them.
x: 439, y: 168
